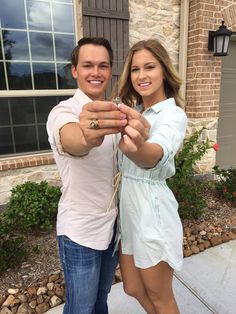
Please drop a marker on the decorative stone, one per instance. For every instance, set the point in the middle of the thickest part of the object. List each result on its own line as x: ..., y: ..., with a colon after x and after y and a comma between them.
x: 24, y: 308
x: 50, y: 286
x: 194, y: 249
x: 5, y: 310
x: 42, y: 290
x: 187, y: 253
x: 10, y: 299
x: 32, y: 290
x: 53, y: 277
x: 13, y: 291
x: 216, y: 240
x: 54, y: 301
x: 42, y: 308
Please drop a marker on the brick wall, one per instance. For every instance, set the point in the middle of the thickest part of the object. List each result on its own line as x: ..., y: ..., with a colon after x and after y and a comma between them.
x: 204, y: 71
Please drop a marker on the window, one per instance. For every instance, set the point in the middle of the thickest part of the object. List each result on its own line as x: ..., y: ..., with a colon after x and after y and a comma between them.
x: 36, y: 39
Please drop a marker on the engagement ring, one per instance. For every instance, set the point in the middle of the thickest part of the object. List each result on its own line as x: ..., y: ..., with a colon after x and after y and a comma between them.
x: 94, y: 124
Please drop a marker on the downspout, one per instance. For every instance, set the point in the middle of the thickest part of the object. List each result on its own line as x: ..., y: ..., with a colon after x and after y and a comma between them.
x: 183, y: 44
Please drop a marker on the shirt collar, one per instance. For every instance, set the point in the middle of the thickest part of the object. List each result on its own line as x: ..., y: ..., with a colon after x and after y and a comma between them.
x: 170, y: 102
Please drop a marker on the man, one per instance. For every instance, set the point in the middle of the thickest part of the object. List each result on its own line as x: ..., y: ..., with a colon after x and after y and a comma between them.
x: 81, y: 133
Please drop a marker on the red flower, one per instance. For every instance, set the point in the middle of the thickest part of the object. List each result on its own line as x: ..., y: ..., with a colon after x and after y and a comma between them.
x: 225, y: 190
x: 215, y: 146
x: 234, y: 194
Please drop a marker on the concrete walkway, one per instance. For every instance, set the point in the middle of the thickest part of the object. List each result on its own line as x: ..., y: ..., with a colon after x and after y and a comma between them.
x: 207, y: 284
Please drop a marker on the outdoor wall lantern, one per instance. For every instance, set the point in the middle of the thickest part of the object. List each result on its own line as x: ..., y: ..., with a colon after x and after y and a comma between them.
x: 218, y: 41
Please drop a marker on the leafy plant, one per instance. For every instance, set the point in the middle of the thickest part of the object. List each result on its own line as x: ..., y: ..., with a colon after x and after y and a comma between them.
x: 187, y: 189
x: 226, y: 183
x: 12, y: 251
x: 11, y: 246
x: 32, y: 206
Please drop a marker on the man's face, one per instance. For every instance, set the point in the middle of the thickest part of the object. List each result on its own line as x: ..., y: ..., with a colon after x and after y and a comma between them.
x: 93, y: 71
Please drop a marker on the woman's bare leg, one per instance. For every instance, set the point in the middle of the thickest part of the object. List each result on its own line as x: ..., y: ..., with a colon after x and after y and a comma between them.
x: 157, y: 281
x: 133, y: 284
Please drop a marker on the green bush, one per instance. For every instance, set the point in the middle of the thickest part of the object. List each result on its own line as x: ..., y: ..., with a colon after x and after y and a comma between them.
x: 11, y: 246
x: 226, y: 183
x: 186, y: 188
x: 32, y: 206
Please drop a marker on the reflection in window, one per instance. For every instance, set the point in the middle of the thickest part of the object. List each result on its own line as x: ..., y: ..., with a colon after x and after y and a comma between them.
x: 47, y: 37
x: 4, y: 116
x: 12, y: 14
x: 43, y: 106
x: 65, y: 77
x: 22, y: 110
x: 36, y: 21
x: 0, y: 50
x: 36, y: 40
x: 15, y: 135
x: 16, y: 45
x: 64, y: 46
x: 44, y: 76
x: 6, y: 141
x: 43, y: 137
x: 25, y: 137
x: 63, y: 19
x: 2, y: 77
x: 19, y: 76
x: 41, y: 46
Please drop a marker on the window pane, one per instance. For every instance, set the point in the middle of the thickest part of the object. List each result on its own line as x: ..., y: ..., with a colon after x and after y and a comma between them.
x: 22, y: 110
x: 64, y: 46
x: 4, y: 116
x: 12, y: 14
x: 25, y: 138
x: 65, y: 79
x: 63, y: 19
x: 19, y: 75
x: 39, y: 21
x: 2, y: 77
x: 6, y: 146
x: 44, y: 76
x: 16, y: 46
x: 43, y: 137
x: 43, y: 107
x: 41, y: 46
x: 1, y: 46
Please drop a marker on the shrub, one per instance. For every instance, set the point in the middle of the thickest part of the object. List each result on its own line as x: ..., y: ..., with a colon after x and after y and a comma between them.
x: 32, y: 206
x: 187, y: 189
x: 226, y: 183
x: 11, y: 247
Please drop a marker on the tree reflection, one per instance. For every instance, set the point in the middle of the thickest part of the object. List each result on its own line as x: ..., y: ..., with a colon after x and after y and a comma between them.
x: 7, y: 44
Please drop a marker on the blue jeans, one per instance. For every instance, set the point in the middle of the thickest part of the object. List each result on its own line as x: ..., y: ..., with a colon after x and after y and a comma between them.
x: 88, y: 276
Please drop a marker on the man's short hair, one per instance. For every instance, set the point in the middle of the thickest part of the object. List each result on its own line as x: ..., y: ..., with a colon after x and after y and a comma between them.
x: 99, y: 41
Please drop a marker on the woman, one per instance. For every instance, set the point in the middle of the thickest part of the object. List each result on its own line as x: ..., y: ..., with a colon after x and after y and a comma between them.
x: 151, y: 230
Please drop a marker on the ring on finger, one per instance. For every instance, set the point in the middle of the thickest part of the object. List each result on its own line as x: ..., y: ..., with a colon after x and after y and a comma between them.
x: 94, y: 124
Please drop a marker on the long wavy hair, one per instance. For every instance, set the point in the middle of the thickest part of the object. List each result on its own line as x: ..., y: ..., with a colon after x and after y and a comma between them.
x: 172, y: 82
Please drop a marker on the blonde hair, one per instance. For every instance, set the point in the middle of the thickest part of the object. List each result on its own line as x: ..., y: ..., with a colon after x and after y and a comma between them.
x: 172, y: 82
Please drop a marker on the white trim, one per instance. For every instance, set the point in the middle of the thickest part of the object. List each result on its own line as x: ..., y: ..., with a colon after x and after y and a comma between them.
x: 37, y: 92
x: 183, y: 44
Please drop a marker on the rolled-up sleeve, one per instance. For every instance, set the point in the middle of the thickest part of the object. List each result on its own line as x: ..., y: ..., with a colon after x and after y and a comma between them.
x: 169, y: 131
x: 58, y: 117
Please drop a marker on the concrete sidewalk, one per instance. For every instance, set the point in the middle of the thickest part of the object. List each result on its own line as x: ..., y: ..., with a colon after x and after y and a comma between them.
x: 207, y: 284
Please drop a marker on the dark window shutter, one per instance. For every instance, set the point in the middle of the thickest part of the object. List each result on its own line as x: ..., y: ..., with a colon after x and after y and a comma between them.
x: 109, y: 19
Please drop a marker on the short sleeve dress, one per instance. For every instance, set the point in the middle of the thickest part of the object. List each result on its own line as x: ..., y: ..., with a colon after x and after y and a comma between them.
x: 150, y: 226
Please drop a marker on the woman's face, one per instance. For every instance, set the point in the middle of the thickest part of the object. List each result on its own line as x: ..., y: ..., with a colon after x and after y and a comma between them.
x: 147, y: 77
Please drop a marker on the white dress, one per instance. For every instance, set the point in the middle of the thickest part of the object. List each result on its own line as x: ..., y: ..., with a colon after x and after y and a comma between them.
x: 150, y: 226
